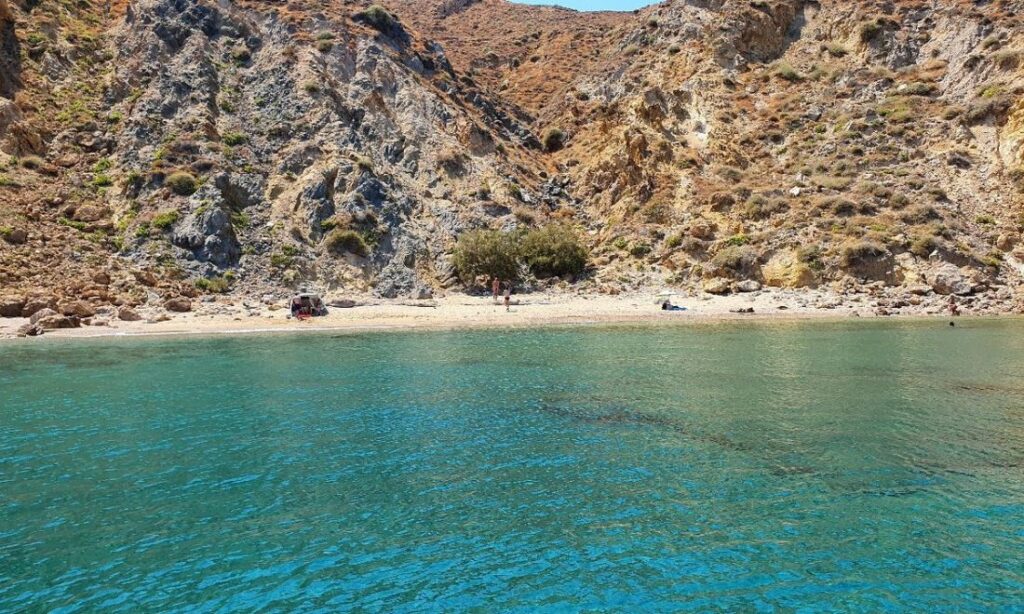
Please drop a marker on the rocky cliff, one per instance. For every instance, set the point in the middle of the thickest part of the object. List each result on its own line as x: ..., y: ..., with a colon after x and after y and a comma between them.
x: 162, y: 148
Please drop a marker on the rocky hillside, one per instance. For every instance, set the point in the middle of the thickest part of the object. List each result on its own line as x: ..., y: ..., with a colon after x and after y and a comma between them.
x: 156, y: 150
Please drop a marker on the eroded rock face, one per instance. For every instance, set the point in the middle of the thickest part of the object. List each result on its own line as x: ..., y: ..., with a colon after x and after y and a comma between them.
x: 10, y: 53
x: 705, y: 121
x: 207, y: 230
x: 786, y: 271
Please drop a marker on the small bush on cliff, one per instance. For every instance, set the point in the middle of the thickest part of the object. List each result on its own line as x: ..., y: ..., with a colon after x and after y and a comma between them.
x: 860, y: 252
x: 553, y: 251
x: 340, y: 242
x: 486, y: 252
x: 234, y: 138
x: 785, y: 71
x: 182, y: 183
x: 553, y: 140
x: 214, y: 285
x: 378, y: 17
x: 33, y: 163
x: 165, y: 220
x: 1017, y: 176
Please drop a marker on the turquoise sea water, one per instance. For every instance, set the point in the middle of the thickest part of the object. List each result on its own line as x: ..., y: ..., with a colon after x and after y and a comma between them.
x: 742, y: 467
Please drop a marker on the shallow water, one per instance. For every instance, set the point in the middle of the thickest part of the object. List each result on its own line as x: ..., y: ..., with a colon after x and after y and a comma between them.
x: 855, y: 467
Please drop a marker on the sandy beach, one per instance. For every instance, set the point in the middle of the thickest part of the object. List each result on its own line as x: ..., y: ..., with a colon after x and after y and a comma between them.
x: 458, y: 311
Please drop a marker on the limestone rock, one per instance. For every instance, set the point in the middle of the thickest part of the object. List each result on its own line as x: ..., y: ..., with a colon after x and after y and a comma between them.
x: 948, y: 279
x: 128, y: 314
x: 42, y: 313
x: 11, y: 306
x: 55, y: 321
x: 717, y: 286
x: 786, y: 271
x: 747, y: 285
x: 34, y: 305
x: 79, y: 309
x: 179, y: 304
x: 29, y: 330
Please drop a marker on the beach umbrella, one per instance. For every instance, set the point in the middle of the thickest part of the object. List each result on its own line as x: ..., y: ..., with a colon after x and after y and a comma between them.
x: 664, y: 296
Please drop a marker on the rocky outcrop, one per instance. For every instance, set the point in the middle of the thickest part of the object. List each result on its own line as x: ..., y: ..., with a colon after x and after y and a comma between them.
x: 10, y: 53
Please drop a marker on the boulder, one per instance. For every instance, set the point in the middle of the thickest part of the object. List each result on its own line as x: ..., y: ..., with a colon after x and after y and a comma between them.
x: 948, y: 279
x: 748, y: 285
x: 11, y: 306
x: 15, y: 236
x: 56, y: 320
x: 146, y: 278
x: 45, y: 312
x: 80, y: 309
x: 179, y: 304
x: 34, y: 305
x: 29, y: 330
x: 1006, y: 242
x: 128, y: 314
x: 91, y: 213
x: 717, y: 286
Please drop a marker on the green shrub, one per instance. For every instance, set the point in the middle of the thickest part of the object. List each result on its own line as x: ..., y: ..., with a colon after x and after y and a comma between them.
x: 639, y: 250
x: 377, y: 16
x: 102, y: 181
x: 836, y: 50
x: 239, y: 219
x: 811, y: 256
x: 364, y: 164
x: 922, y: 245
x: 234, y: 138
x: 486, y: 252
x: 165, y: 220
x: 784, y: 70
x: 920, y: 214
x: 1017, y: 176
x: 735, y: 259
x: 673, y: 241
x: 985, y: 219
x: 32, y: 163
x: 241, y: 55
x: 553, y: 139
x: 310, y: 87
x: 284, y: 258
x: 324, y: 46
x: 871, y: 29
x: 760, y: 207
x: 102, y: 165
x: 342, y: 241
x: 737, y: 240
x: 553, y: 251
x: 182, y: 183
x: 674, y: 49
x: 215, y: 285
x: 524, y: 215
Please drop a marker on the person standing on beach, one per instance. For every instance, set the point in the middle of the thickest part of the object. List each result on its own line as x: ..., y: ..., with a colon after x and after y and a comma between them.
x: 495, y: 288
x: 508, y: 296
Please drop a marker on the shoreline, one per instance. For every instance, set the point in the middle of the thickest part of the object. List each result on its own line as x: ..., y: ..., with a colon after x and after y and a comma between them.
x: 463, y: 312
